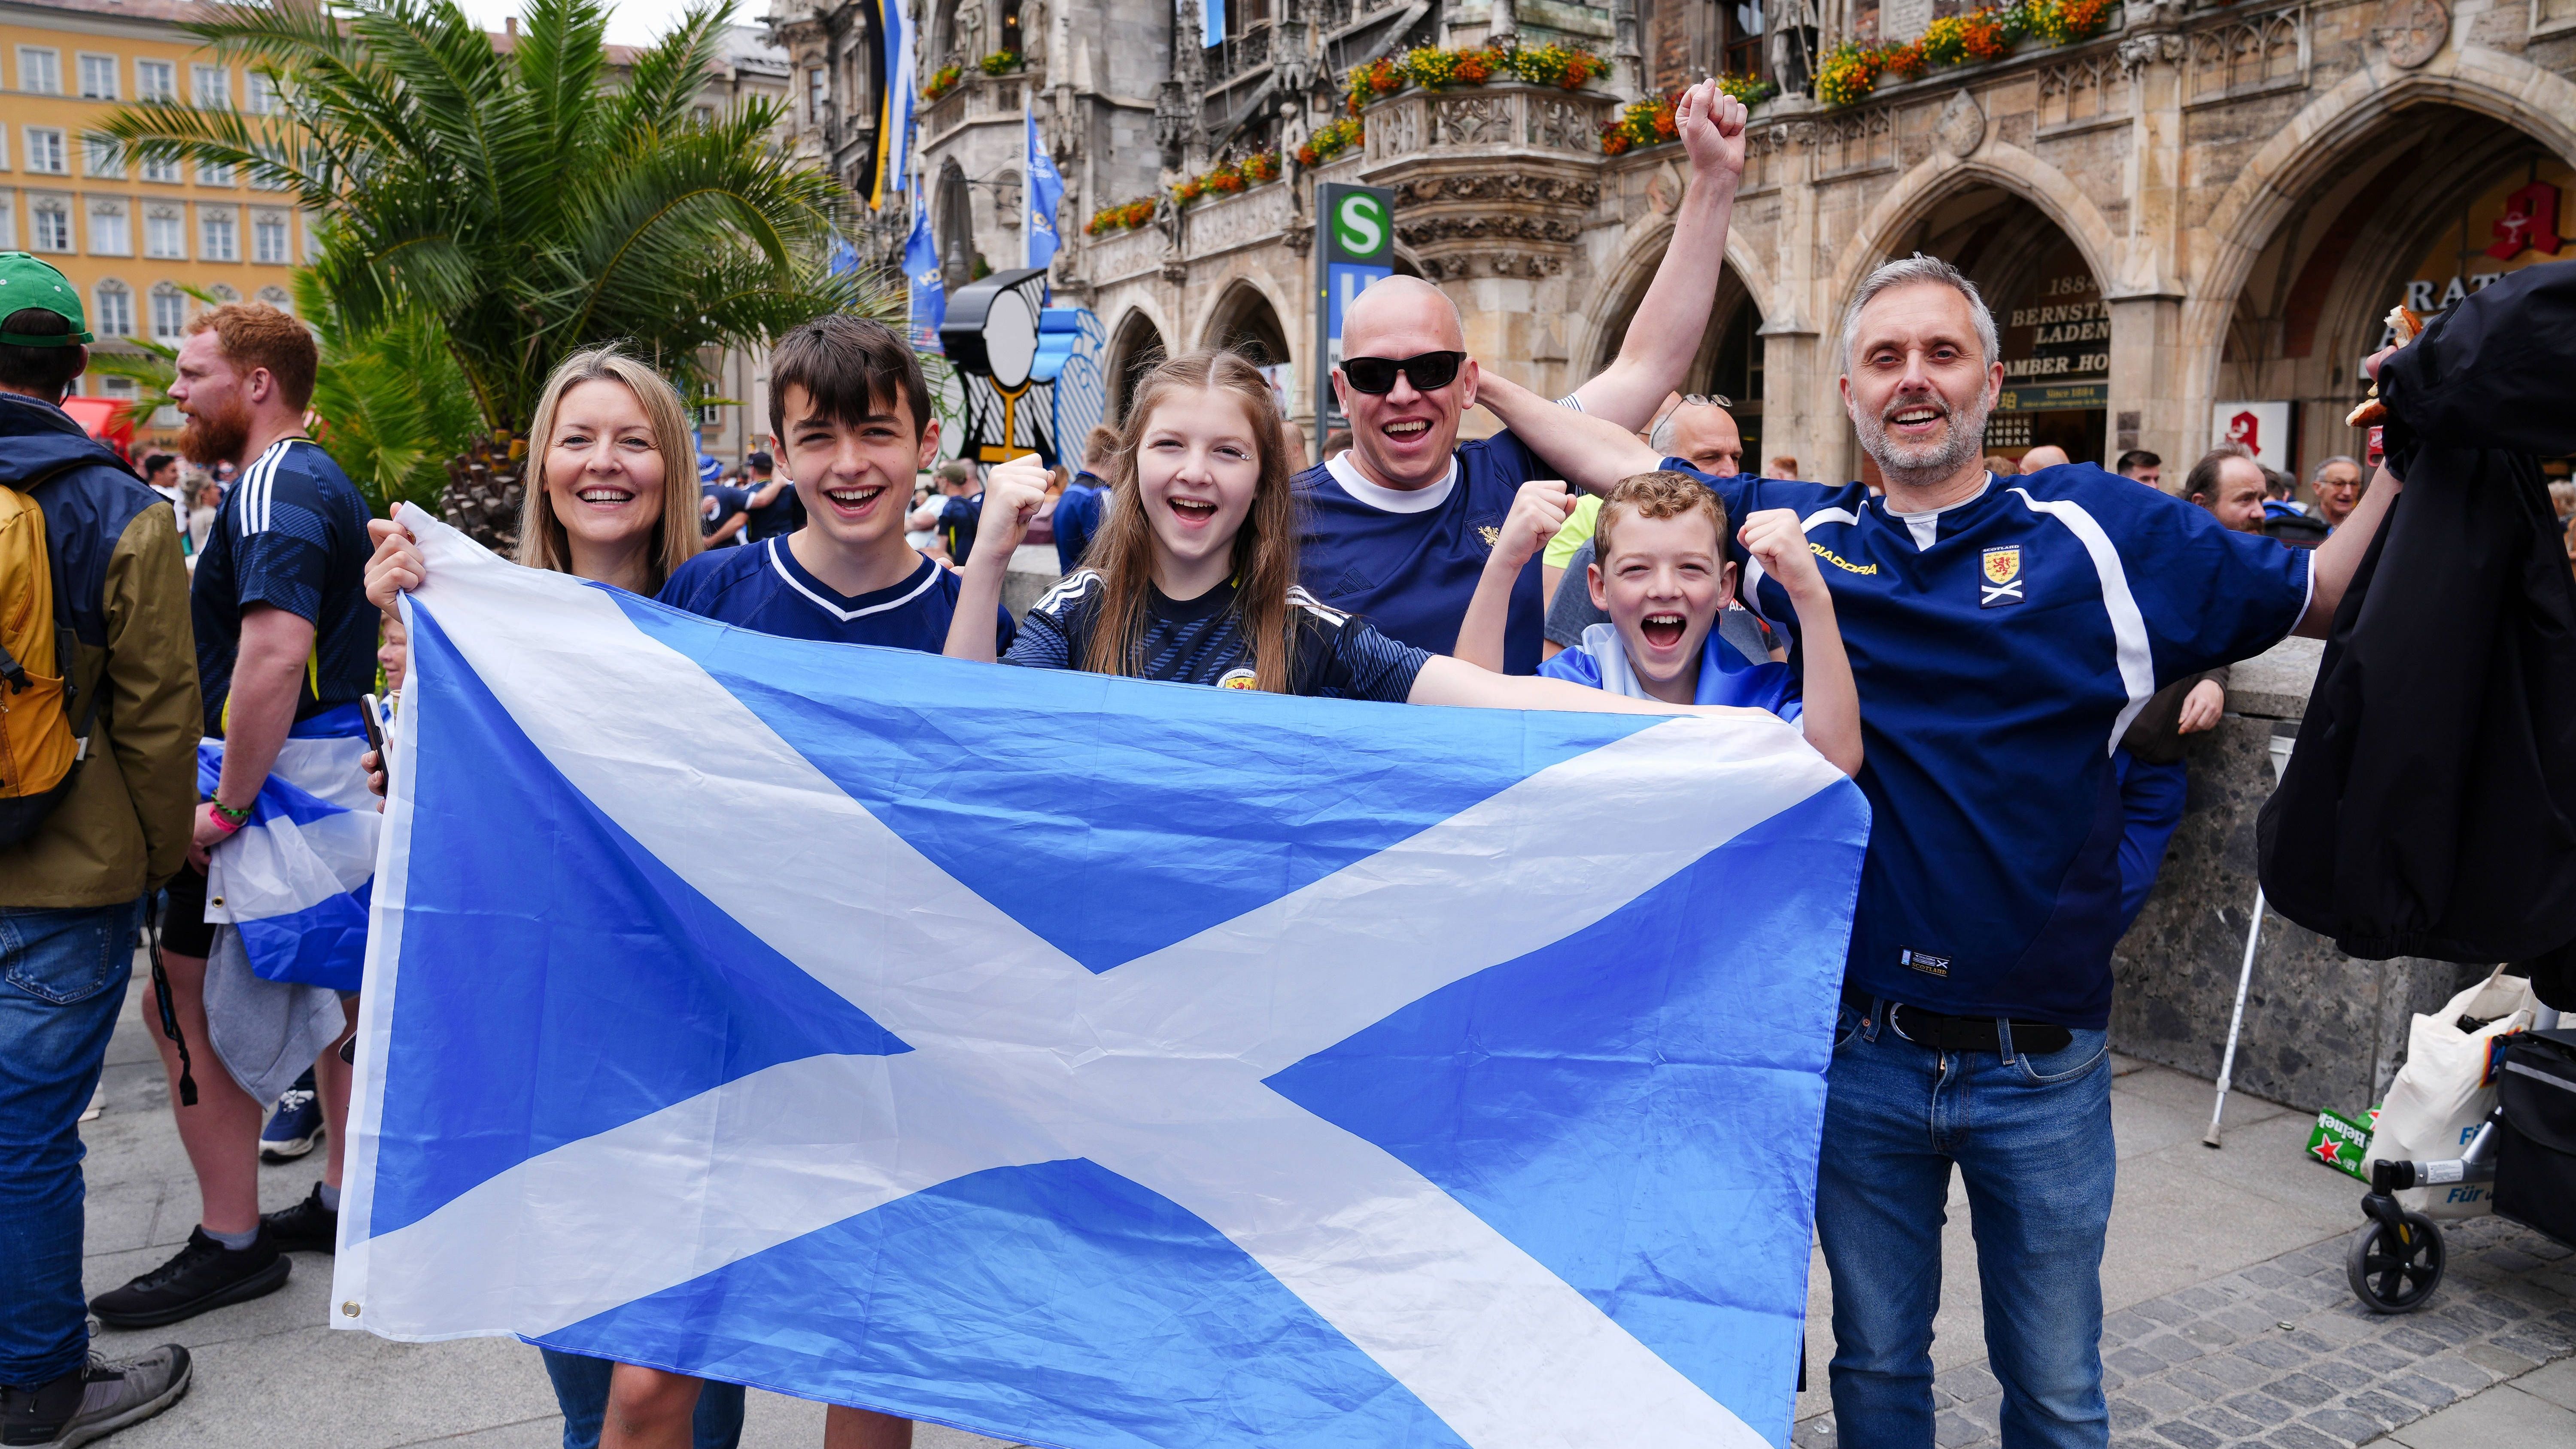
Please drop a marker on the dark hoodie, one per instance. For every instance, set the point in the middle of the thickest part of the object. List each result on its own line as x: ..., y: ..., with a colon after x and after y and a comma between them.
x: 114, y: 547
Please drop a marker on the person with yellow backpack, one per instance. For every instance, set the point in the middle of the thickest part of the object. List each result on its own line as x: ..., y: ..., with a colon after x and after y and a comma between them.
x: 99, y: 721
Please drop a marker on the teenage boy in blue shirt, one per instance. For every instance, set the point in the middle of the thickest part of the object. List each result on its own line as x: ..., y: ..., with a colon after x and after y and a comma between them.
x: 846, y: 406
x: 2002, y: 633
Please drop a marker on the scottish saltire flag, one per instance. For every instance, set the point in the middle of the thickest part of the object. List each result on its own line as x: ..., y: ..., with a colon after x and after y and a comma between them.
x: 1087, y: 1061
x: 894, y: 115
x: 1043, y: 194
x: 922, y: 273
x: 294, y: 879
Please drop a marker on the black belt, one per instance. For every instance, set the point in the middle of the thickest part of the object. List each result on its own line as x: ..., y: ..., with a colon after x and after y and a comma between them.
x: 1963, y: 1033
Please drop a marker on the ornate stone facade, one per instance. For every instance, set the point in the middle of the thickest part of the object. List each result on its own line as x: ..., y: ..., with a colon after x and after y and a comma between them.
x: 2205, y: 204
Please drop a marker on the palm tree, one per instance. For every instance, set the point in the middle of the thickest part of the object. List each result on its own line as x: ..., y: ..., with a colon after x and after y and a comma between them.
x: 515, y: 199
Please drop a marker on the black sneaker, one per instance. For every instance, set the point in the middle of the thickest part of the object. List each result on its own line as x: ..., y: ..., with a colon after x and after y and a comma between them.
x: 96, y: 1401
x: 307, y: 1227
x: 204, y: 1275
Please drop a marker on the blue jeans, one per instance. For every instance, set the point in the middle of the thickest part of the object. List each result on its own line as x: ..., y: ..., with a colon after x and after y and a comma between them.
x: 581, y: 1390
x: 2151, y: 796
x: 62, y: 982
x: 2032, y: 1138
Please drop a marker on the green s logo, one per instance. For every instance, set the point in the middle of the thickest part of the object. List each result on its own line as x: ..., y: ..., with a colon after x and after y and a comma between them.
x: 1359, y: 225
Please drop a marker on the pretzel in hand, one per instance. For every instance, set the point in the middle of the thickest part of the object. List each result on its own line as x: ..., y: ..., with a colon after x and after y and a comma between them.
x: 2407, y: 326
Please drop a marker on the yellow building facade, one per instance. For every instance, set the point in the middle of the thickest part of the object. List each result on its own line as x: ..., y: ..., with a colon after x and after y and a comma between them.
x: 132, y: 236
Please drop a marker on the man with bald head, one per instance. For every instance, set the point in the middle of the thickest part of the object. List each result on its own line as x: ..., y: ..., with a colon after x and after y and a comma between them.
x: 1397, y: 528
x: 2046, y: 455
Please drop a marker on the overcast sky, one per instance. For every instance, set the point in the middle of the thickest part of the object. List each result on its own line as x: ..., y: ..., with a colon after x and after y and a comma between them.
x: 631, y: 22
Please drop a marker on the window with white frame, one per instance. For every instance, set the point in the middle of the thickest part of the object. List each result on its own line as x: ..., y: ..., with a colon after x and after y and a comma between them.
x: 259, y: 94
x: 161, y: 168
x: 108, y: 234
x: 49, y: 226
x: 98, y: 77
x: 218, y: 238
x: 222, y: 294
x: 165, y: 234
x: 278, y: 155
x: 4, y: 148
x: 156, y: 80
x: 213, y: 86
x: 101, y: 156
x: 45, y: 151
x: 268, y: 238
x: 40, y: 71
x: 113, y: 316
x: 119, y: 388
x: 169, y: 313
x: 209, y: 174
x: 8, y: 221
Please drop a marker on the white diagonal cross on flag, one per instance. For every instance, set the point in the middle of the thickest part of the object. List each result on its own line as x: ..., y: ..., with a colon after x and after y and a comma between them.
x: 1153, y: 1070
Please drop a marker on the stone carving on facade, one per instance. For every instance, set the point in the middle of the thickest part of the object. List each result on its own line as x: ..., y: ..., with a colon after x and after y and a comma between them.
x: 1507, y: 186
x: 969, y: 31
x: 1562, y: 126
x: 2140, y: 51
x: 1857, y: 141
x: 2259, y: 52
x: 1217, y: 226
x: 1962, y: 124
x: 2412, y: 32
x: 2081, y: 91
x: 1473, y: 121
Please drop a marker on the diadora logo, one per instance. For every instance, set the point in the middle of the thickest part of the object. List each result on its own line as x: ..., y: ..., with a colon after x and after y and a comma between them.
x: 1838, y: 561
x: 2001, y: 578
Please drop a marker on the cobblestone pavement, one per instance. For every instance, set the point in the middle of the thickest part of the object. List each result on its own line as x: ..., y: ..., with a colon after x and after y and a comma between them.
x: 2280, y: 1353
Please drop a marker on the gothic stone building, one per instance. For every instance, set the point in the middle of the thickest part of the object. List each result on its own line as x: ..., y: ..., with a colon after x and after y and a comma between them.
x: 2207, y: 204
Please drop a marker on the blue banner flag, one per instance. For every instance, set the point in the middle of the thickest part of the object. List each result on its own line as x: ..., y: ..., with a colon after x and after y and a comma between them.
x: 894, y: 114
x: 293, y: 881
x: 1087, y: 1061
x: 1044, y: 193
x: 923, y: 277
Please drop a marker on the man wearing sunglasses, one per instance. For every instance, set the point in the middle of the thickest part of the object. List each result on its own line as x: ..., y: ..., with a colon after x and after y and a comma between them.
x: 1398, y: 526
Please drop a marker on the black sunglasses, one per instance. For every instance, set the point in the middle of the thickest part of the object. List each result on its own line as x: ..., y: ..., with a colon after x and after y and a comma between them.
x: 1429, y: 371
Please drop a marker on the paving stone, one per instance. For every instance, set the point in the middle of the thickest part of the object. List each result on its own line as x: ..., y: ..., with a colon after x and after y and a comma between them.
x: 2343, y: 1426
x: 2133, y: 1362
x: 2245, y: 1319
x: 2379, y: 1357
x: 2277, y: 1353
x: 2190, y: 1435
x: 2230, y: 1370
x: 2342, y: 1375
x: 2414, y: 1340
x: 2303, y: 1389
x: 2170, y: 1348
x: 1816, y: 1433
x: 2226, y: 1421
x: 2197, y: 1384
x: 2265, y: 1275
x: 2209, y: 1333
x: 1956, y: 1431
x: 2503, y: 1362
x: 2300, y: 1436
x: 2198, y: 1298
x: 2164, y: 1311
x: 2462, y: 1373
x: 2419, y: 1390
x: 2128, y: 1414
x: 2163, y: 1398
x: 2389, y: 1412
x: 2263, y: 1408
x: 2509, y: 1260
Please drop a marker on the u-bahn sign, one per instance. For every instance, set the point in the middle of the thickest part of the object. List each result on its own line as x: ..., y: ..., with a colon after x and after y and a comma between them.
x: 1355, y: 245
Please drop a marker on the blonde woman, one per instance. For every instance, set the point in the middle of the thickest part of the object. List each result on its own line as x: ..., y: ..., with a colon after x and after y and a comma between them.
x: 613, y: 498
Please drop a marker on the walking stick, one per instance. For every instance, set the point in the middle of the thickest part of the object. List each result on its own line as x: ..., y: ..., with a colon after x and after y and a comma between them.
x: 2281, y: 746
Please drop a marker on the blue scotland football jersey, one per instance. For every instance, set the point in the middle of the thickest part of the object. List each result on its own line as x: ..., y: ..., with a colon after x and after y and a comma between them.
x: 763, y: 588
x: 1408, y: 562
x: 292, y: 535
x: 2000, y: 648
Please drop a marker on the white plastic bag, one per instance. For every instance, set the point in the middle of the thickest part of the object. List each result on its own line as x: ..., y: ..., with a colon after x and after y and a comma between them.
x: 2446, y: 1089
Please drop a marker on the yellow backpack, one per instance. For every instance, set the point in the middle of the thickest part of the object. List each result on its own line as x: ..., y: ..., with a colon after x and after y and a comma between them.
x: 40, y: 751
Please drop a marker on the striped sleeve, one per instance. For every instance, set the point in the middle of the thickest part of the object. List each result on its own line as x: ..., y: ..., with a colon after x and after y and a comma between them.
x: 282, y: 551
x: 1346, y: 658
x: 1052, y: 635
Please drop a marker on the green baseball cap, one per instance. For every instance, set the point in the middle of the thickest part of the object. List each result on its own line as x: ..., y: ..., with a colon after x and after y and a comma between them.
x: 27, y: 281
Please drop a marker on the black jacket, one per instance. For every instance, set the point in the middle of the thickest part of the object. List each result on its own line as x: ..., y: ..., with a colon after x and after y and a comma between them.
x: 2430, y: 809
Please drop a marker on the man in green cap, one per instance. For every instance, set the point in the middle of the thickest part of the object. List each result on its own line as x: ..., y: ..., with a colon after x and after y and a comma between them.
x: 73, y: 892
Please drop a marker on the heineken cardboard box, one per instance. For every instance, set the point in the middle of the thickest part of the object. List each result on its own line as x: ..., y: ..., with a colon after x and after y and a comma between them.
x: 2342, y: 1143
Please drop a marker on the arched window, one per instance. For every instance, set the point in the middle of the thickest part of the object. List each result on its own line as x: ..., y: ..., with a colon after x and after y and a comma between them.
x: 114, y: 314
x: 278, y: 298
x: 169, y: 312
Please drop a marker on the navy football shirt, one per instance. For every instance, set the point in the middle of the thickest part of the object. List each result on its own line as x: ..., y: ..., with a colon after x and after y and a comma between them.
x: 2000, y: 647
x: 762, y: 587
x: 292, y: 534
x: 957, y: 518
x: 1201, y: 641
x: 1409, y: 562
